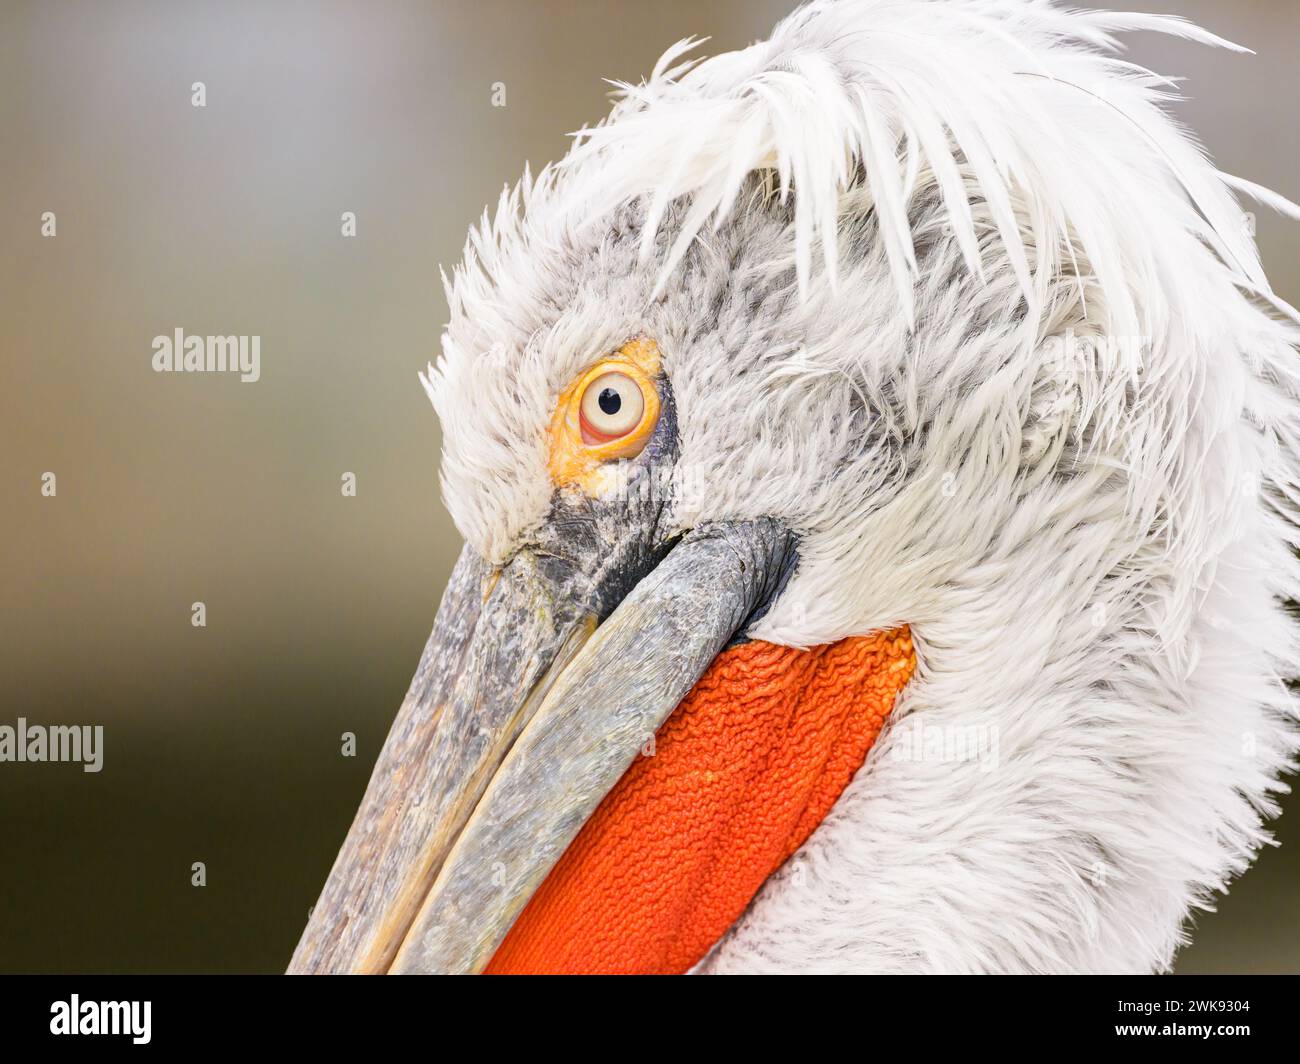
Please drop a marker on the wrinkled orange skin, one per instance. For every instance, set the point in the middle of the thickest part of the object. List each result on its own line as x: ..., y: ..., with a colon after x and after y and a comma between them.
x: 742, y: 772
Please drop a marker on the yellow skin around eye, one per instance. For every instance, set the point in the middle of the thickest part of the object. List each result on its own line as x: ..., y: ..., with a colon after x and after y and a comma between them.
x: 572, y: 462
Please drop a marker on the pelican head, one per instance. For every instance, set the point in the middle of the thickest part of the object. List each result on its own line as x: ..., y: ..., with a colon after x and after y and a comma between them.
x: 876, y: 455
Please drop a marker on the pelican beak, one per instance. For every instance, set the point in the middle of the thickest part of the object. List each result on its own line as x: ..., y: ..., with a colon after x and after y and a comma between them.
x: 524, y: 712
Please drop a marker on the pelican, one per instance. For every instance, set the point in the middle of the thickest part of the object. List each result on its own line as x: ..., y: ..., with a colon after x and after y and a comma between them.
x: 876, y: 455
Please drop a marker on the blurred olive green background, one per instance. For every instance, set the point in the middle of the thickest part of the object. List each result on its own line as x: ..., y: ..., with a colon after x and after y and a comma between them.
x: 223, y: 743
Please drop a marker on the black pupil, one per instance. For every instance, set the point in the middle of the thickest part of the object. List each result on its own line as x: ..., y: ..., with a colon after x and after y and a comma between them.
x: 609, y: 400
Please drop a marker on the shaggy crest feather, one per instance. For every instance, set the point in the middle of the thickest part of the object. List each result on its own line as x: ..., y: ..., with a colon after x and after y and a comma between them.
x: 942, y: 285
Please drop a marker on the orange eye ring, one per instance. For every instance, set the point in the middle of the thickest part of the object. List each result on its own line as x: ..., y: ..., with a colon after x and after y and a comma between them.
x: 586, y: 432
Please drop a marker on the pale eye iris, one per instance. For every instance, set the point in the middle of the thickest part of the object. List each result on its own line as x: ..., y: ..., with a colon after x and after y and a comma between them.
x: 611, y: 406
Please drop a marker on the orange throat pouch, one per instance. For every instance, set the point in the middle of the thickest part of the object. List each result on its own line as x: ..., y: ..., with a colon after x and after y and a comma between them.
x: 735, y: 781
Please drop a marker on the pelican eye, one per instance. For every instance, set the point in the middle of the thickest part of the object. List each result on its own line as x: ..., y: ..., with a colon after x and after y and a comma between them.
x: 612, y: 406
x: 607, y: 413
